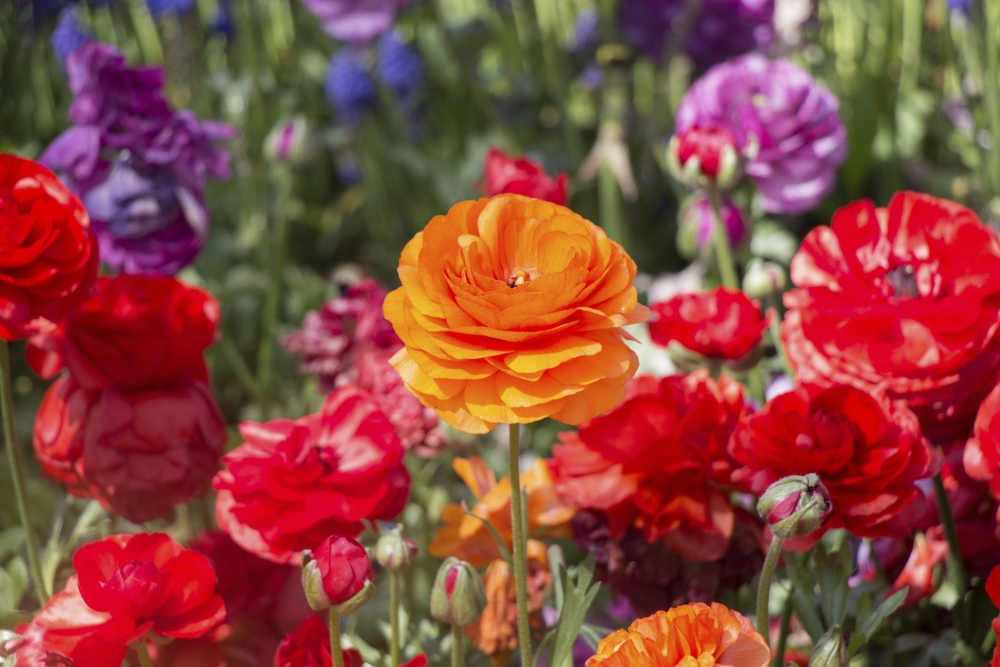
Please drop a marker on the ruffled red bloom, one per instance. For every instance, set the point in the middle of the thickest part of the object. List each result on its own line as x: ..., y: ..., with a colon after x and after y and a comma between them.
x: 521, y: 176
x: 706, y: 144
x: 125, y: 587
x: 982, y: 451
x: 906, y: 298
x: 724, y: 323
x: 344, y: 566
x: 659, y: 460
x: 49, y: 250
x: 295, y: 482
x: 993, y: 590
x: 136, y: 332
x: 309, y: 646
x: 138, y: 452
x: 867, y: 452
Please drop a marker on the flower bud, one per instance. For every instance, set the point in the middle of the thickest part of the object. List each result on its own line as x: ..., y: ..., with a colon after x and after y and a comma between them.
x: 763, y: 279
x: 697, y: 225
x: 704, y: 154
x: 291, y: 141
x: 458, y: 596
x: 830, y: 650
x: 394, y: 551
x: 338, y: 575
x: 795, y: 506
x: 772, y: 241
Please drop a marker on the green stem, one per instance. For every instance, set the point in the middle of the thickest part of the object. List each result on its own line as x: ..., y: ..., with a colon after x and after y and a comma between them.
x: 17, y: 471
x: 520, y: 547
x: 764, y: 589
x: 394, y: 617
x: 143, y: 651
x: 786, y: 623
x: 779, y: 346
x: 991, y: 92
x: 457, y: 654
x: 335, y: 650
x: 611, y: 205
x: 272, y: 304
x: 720, y: 239
x: 956, y: 569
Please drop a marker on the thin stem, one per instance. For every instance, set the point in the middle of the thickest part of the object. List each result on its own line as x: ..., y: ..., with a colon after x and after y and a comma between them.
x: 764, y: 589
x: 272, y: 304
x: 956, y: 569
x: 786, y: 623
x: 779, y: 346
x: 17, y: 471
x: 520, y: 547
x: 394, y: 617
x: 143, y: 651
x: 335, y: 650
x: 720, y: 240
x: 457, y: 654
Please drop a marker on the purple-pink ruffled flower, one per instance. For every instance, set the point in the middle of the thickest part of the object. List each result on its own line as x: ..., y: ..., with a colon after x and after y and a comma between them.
x: 355, y: 21
x: 784, y: 123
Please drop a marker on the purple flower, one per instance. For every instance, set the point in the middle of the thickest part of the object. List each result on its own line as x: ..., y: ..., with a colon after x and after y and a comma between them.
x: 399, y: 66
x: 586, y: 30
x: 355, y: 21
x: 349, y: 86
x: 69, y: 33
x: 160, y: 8
x: 723, y: 29
x: 785, y: 124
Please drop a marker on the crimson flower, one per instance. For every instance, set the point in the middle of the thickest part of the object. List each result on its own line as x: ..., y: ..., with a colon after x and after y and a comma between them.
x: 993, y: 590
x: 309, y: 646
x: 658, y: 461
x: 906, y: 298
x: 707, y: 145
x: 49, y: 250
x: 342, y: 569
x: 867, y: 452
x: 724, y: 323
x: 521, y: 176
x: 982, y: 451
x: 295, y: 482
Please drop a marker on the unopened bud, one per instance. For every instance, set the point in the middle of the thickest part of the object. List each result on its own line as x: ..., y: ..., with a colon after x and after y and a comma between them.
x: 795, y: 506
x: 697, y: 226
x: 291, y: 141
x: 830, y: 650
x: 337, y: 576
x: 704, y: 154
x: 764, y: 279
x: 394, y: 551
x: 458, y: 596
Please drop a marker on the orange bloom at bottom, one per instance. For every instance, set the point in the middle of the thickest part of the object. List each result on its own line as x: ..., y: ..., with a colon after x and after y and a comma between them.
x: 693, y: 635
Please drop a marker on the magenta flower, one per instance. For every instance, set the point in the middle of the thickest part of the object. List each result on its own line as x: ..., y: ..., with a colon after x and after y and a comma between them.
x: 355, y: 21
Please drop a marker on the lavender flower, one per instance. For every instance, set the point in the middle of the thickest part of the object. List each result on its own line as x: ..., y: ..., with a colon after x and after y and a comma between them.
x: 349, y: 87
x: 69, y: 33
x: 399, y: 66
x: 722, y: 29
x: 160, y: 8
x: 355, y: 21
x: 586, y: 30
x: 962, y: 7
x: 784, y: 123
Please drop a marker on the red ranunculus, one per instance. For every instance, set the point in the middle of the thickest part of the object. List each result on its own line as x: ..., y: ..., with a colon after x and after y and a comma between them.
x: 906, y: 298
x: 293, y: 483
x: 138, y: 452
x: 125, y: 587
x: 724, y: 323
x: 344, y: 566
x: 136, y: 332
x: 48, y: 250
x: 993, y: 590
x: 309, y: 646
x: 867, y: 452
x: 29, y: 648
x: 982, y: 451
x: 706, y: 144
x: 659, y: 460
x: 521, y: 176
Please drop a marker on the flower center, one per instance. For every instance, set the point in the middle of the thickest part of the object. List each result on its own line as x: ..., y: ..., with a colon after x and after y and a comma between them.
x: 520, y: 276
x: 904, y: 282
x: 140, y: 581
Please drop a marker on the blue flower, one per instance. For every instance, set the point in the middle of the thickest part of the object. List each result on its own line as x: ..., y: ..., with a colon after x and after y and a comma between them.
x: 222, y: 22
x: 160, y: 8
x: 399, y: 66
x: 586, y: 30
x: 69, y: 33
x: 349, y: 87
x: 960, y: 6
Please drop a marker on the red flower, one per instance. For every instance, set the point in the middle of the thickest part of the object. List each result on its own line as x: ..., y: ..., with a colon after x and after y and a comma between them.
x: 867, y: 452
x: 521, y: 176
x: 906, y: 298
x: 918, y: 573
x: 49, y: 250
x: 344, y: 569
x: 993, y: 590
x: 659, y: 459
x: 29, y: 648
x: 293, y: 483
x: 724, y: 323
x: 125, y: 587
x: 138, y: 452
x: 982, y: 451
x: 706, y: 144
x: 309, y: 646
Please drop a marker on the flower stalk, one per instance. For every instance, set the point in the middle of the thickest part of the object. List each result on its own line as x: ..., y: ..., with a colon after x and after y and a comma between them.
x: 764, y: 588
x: 336, y: 650
x: 144, y: 659
x: 457, y: 652
x: 394, y: 617
x: 720, y: 239
x: 17, y: 471
x: 519, y: 549
x: 956, y: 568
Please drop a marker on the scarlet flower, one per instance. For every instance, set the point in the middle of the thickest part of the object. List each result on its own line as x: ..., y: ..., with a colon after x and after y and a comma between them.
x: 707, y: 145
x: 693, y: 634
x: 521, y: 176
x: 867, y: 452
x: 340, y: 572
x: 982, y: 451
x: 724, y: 323
x: 906, y: 298
x: 127, y: 586
x: 136, y: 332
x: 993, y: 590
x: 138, y: 452
x: 659, y: 461
x: 309, y: 646
x: 511, y: 311
x: 29, y: 648
x: 49, y: 250
x: 918, y: 573
x: 295, y: 482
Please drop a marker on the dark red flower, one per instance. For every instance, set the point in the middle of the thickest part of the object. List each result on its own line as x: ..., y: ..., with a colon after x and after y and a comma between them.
x: 993, y: 590
x: 294, y: 483
x: 521, y: 176
x: 724, y: 323
x: 344, y: 567
x: 29, y: 648
x: 706, y: 144
x: 906, y: 298
x: 309, y: 646
x: 867, y: 452
x: 125, y: 587
x: 49, y: 250
x: 659, y: 462
x: 138, y: 452
x: 982, y: 451
x: 136, y: 332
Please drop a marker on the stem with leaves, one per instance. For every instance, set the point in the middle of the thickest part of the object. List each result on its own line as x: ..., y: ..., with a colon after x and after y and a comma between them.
x: 956, y: 568
x: 764, y: 589
x: 520, y: 546
x: 720, y: 240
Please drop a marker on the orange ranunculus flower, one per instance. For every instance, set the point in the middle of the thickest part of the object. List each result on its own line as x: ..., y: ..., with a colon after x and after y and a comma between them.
x: 511, y: 311
x: 693, y: 635
x: 467, y: 537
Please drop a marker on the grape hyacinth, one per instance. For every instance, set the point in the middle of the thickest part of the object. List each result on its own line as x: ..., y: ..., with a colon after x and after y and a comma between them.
x: 400, y: 67
x: 69, y: 33
x: 349, y: 86
x: 161, y: 8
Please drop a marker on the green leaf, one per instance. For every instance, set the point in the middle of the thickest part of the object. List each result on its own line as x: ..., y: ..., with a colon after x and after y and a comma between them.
x: 803, y: 598
x: 889, y: 605
x: 556, y: 563
x: 833, y: 582
x: 579, y: 592
x: 862, y: 612
x: 593, y: 634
